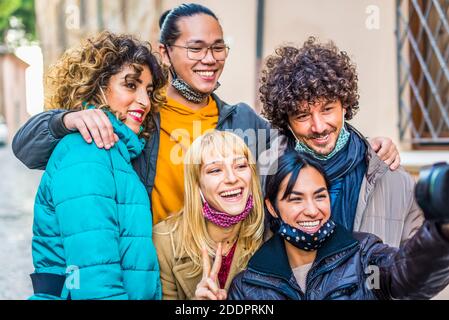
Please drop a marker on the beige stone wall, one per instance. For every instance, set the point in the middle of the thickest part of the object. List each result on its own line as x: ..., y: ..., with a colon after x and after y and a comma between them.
x: 13, y: 92
x: 62, y: 24
x: 343, y: 21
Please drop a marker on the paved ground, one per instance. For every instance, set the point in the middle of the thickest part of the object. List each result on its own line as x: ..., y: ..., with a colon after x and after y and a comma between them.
x: 18, y: 187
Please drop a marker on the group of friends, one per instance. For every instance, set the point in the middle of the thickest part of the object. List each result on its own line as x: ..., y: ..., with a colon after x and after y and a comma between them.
x: 155, y: 188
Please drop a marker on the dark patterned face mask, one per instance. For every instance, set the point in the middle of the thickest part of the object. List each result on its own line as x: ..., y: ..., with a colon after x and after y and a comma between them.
x: 188, y: 92
x: 306, y: 241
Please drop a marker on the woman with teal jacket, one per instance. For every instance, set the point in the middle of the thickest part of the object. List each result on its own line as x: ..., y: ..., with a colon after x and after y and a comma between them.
x: 92, y: 220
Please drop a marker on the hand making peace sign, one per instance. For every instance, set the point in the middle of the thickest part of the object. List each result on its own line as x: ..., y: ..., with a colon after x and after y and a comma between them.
x: 208, y: 288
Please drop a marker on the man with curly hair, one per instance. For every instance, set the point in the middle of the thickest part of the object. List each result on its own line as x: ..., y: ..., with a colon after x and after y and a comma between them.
x: 308, y: 94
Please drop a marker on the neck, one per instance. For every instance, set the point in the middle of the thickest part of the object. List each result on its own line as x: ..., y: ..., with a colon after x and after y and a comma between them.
x: 226, y: 236
x: 174, y: 94
x: 298, y: 257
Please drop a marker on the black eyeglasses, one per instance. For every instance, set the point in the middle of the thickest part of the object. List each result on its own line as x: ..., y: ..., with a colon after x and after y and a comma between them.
x: 198, y: 52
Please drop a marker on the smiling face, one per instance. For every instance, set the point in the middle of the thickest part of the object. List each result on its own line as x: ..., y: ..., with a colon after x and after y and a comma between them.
x: 200, y: 30
x: 318, y: 125
x: 128, y: 93
x: 308, y: 207
x: 225, y: 182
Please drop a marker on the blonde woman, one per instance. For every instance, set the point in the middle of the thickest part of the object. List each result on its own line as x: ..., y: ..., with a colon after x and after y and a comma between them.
x: 222, y: 218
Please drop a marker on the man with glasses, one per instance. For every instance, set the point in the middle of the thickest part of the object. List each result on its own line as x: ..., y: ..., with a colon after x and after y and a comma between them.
x: 193, y: 49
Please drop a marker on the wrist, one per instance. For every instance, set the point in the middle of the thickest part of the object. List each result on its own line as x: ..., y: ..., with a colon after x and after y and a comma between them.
x: 57, y: 126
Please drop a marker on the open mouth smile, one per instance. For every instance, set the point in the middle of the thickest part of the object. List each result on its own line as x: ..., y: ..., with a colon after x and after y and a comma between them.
x: 136, y: 115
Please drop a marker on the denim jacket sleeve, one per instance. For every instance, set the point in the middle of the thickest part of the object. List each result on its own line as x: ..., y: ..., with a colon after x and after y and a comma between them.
x: 33, y: 144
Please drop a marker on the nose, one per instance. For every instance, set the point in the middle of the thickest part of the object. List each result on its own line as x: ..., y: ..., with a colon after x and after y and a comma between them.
x: 311, y: 210
x: 143, y: 98
x: 318, y: 123
x: 209, y: 57
x: 230, y: 177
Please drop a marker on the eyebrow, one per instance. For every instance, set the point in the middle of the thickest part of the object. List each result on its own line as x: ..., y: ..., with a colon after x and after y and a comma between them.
x: 297, y: 193
x: 198, y: 41
x: 218, y: 161
x: 135, y: 77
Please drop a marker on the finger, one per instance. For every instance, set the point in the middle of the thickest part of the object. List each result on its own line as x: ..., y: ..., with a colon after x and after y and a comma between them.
x: 217, y: 263
x: 106, y: 129
x: 116, y: 139
x: 374, y: 144
x: 206, y: 263
x: 81, y: 127
x: 209, y: 295
x: 204, y: 294
x: 103, y: 122
x: 212, y: 286
x: 92, y: 126
x: 395, y: 163
x: 222, y: 294
x: 384, y: 150
x: 390, y: 156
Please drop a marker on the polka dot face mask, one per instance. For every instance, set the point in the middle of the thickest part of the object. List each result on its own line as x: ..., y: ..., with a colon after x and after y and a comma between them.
x: 303, y: 240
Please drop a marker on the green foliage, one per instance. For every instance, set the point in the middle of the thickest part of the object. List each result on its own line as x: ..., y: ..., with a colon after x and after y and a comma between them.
x: 22, y: 10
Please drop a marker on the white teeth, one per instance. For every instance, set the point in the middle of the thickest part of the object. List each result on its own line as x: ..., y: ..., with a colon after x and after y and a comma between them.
x: 136, y: 114
x: 231, y: 193
x: 309, y: 224
x: 205, y: 73
x: 323, y: 138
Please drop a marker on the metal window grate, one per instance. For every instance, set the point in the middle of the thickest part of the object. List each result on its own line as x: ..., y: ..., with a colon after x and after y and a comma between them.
x: 423, y: 70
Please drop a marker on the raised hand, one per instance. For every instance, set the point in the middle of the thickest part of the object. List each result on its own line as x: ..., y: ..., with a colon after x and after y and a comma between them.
x: 208, y: 288
x: 92, y: 123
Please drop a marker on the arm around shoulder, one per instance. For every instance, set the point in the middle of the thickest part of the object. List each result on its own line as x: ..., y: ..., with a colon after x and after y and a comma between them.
x: 33, y: 144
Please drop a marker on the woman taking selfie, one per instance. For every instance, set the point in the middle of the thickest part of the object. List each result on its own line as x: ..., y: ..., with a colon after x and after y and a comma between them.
x: 310, y: 257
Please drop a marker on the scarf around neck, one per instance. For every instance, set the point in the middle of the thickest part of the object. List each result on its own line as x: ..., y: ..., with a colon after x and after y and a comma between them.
x: 345, y: 169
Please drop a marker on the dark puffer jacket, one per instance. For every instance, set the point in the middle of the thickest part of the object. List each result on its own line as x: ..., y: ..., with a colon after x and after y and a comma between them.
x: 347, y: 266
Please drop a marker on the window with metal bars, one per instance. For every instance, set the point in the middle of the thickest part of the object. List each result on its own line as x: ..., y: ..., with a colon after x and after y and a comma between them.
x: 423, y: 72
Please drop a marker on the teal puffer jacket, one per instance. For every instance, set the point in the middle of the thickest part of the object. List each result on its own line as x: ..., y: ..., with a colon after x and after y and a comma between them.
x: 92, y: 218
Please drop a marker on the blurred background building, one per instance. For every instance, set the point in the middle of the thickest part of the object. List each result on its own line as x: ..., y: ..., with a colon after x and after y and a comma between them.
x: 401, y: 48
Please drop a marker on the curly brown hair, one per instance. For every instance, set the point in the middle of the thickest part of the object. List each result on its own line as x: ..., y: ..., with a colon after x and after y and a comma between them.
x: 310, y: 74
x: 80, y: 73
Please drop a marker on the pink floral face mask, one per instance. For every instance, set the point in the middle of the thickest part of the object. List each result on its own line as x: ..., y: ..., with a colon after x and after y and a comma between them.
x: 223, y: 219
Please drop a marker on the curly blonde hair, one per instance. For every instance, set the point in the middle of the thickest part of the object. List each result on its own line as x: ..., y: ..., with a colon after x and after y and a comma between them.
x: 82, y: 73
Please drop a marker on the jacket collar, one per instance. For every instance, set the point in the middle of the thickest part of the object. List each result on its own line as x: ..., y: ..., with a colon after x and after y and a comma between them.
x: 375, y: 166
x: 271, y: 258
x: 224, y: 109
x: 133, y: 143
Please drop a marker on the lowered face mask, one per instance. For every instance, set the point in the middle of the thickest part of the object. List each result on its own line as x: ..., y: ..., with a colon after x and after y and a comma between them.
x: 223, y: 219
x: 303, y: 240
x: 186, y: 90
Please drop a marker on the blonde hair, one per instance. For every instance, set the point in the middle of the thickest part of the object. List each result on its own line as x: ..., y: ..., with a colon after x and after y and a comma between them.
x: 190, y: 222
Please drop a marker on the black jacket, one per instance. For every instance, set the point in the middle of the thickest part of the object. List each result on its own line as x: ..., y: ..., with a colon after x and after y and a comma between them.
x: 347, y: 267
x: 35, y: 141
